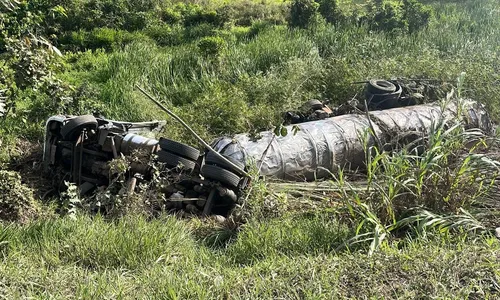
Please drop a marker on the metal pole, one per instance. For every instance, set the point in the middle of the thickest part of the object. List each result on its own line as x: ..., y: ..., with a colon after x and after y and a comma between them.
x: 173, y: 115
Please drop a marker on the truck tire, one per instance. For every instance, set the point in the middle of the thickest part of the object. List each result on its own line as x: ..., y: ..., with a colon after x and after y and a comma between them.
x: 314, y: 104
x: 212, y: 159
x: 180, y: 149
x: 224, y: 176
x: 381, y: 87
x: 173, y: 160
x: 72, y: 129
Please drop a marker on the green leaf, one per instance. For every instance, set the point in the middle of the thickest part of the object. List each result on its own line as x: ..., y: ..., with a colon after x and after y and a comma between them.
x: 277, y: 130
x: 284, y: 131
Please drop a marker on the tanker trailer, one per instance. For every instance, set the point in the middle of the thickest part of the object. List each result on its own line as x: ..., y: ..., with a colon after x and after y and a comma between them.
x: 320, y: 147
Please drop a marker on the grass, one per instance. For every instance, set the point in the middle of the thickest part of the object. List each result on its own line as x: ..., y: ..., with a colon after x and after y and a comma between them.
x: 252, y: 80
x: 397, y: 236
x: 370, y: 244
x: 291, y: 258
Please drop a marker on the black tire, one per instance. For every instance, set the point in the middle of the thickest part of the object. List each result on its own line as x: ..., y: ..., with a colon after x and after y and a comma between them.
x: 180, y: 149
x: 173, y: 160
x: 314, y: 104
x: 224, y: 176
x: 213, y: 159
x: 71, y: 130
x: 381, y: 87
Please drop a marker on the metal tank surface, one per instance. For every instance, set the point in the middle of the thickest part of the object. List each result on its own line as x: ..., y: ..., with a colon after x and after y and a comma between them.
x: 323, y: 146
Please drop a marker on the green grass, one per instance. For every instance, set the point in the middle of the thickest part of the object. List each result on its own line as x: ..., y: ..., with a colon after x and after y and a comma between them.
x: 287, y: 248
x: 254, y: 79
x: 291, y: 258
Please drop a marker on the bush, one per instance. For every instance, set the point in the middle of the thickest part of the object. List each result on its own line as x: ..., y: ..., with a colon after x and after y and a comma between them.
x: 16, y: 199
x: 211, y: 46
x: 195, y: 15
x: 245, y: 13
x: 417, y: 15
x: 228, y: 110
x: 258, y: 27
x: 116, y: 14
x: 239, y: 33
x: 136, y: 21
x: 75, y: 40
x: 404, y: 16
x: 171, y: 16
x: 303, y: 13
x: 166, y: 35
x: 330, y: 11
x: 103, y: 38
x: 389, y: 17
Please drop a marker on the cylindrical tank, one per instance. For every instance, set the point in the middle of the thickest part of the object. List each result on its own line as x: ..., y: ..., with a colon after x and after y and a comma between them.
x: 323, y: 146
x: 133, y: 141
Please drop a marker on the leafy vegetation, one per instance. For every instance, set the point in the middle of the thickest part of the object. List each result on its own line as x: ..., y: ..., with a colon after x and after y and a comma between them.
x: 16, y: 200
x: 292, y: 258
x: 416, y: 223
x: 303, y: 13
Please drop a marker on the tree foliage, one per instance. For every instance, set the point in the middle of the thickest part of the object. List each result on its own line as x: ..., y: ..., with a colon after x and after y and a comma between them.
x: 303, y: 13
x: 399, y: 16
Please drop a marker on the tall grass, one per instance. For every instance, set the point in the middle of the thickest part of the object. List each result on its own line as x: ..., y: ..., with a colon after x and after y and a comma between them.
x: 291, y: 258
x: 258, y: 78
x: 396, y: 235
x: 442, y: 187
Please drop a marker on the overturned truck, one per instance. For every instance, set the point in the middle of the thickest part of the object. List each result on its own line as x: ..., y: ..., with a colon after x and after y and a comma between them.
x: 81, y: 147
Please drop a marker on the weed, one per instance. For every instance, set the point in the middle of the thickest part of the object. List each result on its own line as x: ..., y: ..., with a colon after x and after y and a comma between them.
x: 211, y: 46
x: 303, y: 13
x: 417, y: 215
x: 16, y: 201
x: 436, y: 188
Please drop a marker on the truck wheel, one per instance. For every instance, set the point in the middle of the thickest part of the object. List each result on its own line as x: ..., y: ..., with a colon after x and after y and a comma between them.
x: 180, y: 149
x: 314, y: 104
x: 224, y: 176
x: 381, y: 87
x: 173, y: 160
x: 213, y: 159
x: 72, y: 129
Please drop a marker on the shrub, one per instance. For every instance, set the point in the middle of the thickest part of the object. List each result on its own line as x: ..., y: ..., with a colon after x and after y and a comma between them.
x: 75, y: 40
x: 165, y: 35
x: 239, y: 32
x: 211, y: 46
x: 107, y: 38
x: 228, y: 110
x: 102, y: 38
x: 258, y: 27
x: 245, y: 13
x: 303, y: 13
x: 330, y: 11
x: 171, y: 16
x: 30, y: 61
x: 16, y: 199
x: 195, y: 15
x: 116, y: 14
x: 405, y: 16
x: 389, y: 17
x: 417, y: 15
x: 136, y: 21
